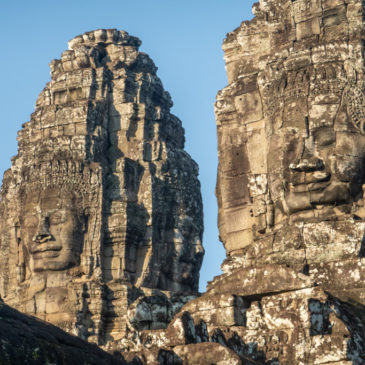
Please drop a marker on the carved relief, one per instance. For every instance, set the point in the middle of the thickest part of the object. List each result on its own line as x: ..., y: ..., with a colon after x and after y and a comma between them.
x: 101, y: 203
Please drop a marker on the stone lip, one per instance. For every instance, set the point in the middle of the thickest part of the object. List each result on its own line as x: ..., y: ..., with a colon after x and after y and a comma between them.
x: 41, y: 343
x: 105, y: 36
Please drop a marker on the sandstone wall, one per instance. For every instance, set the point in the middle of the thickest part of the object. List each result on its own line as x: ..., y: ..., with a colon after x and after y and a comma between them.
x: 102, y: 204
x: 290, y: 194
x: 291, y: 150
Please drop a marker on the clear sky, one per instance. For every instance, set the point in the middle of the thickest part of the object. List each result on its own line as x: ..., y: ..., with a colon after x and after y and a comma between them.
x: 183, y: 38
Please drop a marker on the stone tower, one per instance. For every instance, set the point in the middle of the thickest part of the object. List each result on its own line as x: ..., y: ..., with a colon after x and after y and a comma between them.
x: 290, y: 191
x: 101, y: 205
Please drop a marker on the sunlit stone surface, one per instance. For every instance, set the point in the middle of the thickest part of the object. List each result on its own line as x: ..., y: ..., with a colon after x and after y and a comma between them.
x: 290, y: 194
x: 102, y: 204
x: 291, y: 150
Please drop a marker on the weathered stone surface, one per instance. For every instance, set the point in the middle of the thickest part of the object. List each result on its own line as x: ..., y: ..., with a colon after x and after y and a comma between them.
x: 291, y: 144
x: 290, y: 180
x: 102, y: 204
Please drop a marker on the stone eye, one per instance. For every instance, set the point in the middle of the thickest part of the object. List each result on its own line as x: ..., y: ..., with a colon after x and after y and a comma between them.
x: 56, y: 218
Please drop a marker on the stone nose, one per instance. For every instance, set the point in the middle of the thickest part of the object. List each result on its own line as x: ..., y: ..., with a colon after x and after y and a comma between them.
x: 43, y: 234
x: 42, y: 237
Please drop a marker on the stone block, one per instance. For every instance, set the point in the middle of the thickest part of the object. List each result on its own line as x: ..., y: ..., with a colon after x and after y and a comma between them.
x: 81, y: 129
x: 308, y: 28
x: 250, y: 105
x: 69, y: 130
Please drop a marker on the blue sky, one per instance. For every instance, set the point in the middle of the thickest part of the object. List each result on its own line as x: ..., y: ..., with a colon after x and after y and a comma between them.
x: 183, y: 38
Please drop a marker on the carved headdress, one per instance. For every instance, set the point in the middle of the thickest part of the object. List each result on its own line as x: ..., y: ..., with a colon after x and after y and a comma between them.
x: 80, y: 178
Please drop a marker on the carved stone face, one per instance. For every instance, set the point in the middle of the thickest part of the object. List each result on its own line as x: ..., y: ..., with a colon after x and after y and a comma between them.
x: 52, y: 231
x: 320, y: 165
x: 190, y: 256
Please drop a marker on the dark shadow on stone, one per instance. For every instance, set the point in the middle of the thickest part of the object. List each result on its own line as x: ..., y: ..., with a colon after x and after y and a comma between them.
x: 96, y: 139
x: 166, y: 357
x: 136, y: 361
x: 273, y: 362
x: 173, y: 265
x: 248, y: 353
x: 137, y: 218
x: 353, y: 316
x: 305, y: 270
x: 85, y: 326
x: 219, y: 337
x: 27, y: 340
x: 189, y: 328
x: 133, y: 126
x: 108, y: 316
x: 163, y: 223
x: 201, y: 331
x: 319, y: 318
x: 362, y: 247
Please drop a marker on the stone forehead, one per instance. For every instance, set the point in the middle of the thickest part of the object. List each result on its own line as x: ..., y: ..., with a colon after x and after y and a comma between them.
x: 46, y: 202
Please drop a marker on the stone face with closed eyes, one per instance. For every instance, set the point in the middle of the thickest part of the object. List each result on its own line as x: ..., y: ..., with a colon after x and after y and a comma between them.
x: 101, y: 205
